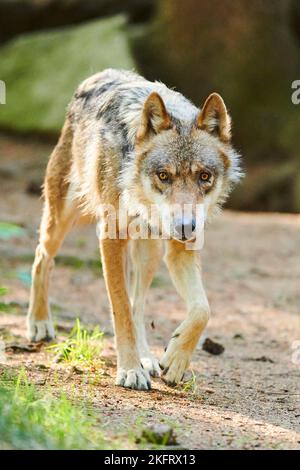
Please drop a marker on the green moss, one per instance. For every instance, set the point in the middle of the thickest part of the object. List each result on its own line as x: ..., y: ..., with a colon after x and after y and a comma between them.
x: 42, y: 70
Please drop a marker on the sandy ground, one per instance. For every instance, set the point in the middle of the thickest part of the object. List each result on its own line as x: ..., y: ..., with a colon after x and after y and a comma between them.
x: 246, y: 398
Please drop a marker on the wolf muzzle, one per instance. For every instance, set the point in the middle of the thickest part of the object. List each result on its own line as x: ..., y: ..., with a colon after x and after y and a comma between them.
x: 184, y: 230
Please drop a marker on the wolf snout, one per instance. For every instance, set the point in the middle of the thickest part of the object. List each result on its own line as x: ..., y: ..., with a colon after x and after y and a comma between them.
x: 184, y: 230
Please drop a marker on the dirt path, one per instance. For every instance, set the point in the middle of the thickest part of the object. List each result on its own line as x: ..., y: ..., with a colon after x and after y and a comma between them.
x: 248, y: 397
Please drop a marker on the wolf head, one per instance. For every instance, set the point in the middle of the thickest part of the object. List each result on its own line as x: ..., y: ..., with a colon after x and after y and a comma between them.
x: 181, y: 165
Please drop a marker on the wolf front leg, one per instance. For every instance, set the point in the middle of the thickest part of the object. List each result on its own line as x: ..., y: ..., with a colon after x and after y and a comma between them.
x: 130, y: 372
x: 185, y: 271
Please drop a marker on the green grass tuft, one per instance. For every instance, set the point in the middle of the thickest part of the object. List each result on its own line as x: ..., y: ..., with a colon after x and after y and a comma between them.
x: 191, y: 385
x: 3, y: 291
x: 81, y: 346
x: 29, y: 420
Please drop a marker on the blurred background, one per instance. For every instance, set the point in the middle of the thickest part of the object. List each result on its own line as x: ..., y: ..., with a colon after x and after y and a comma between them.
x: 247, y: 51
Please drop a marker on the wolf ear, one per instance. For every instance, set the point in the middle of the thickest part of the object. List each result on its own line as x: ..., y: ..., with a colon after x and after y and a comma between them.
x: 214, y: 118
x: 155, y: 117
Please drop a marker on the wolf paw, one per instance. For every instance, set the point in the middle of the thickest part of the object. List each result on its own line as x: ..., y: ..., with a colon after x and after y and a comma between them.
x: 40, y: 330
x: 151, y: 364
x: 173, y: 364
x: 137, y: 379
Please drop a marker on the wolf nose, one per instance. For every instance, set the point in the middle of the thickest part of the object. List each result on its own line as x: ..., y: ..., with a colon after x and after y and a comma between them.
x: 184, y: 231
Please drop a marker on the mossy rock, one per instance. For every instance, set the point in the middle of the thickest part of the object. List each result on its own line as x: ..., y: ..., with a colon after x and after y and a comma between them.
x: 42, y: 70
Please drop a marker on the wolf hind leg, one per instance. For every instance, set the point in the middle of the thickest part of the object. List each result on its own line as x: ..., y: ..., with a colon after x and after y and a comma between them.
x: 145, y: 258
x: 53, y: 229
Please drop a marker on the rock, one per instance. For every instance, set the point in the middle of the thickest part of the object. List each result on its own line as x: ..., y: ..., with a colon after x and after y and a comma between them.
x: 159, y: 434
x: 50, y: 83
x: 20, y: 347
x: 212, y: 347
x: 264, y: 359
x: 238, y: 336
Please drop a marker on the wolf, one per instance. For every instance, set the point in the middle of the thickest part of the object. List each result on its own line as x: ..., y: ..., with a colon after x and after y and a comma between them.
x: 131, y: 141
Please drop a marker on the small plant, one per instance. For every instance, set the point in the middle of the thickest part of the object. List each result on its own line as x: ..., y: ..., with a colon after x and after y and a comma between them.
x: 3, y: 291
x: 81, y: 346
x: 31, y: 421
x: 4, y: 306
x: 191, y: 385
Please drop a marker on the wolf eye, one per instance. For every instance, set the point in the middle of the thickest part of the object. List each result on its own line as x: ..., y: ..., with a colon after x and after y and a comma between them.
x: 204, y: 176
x: 163, y: 176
